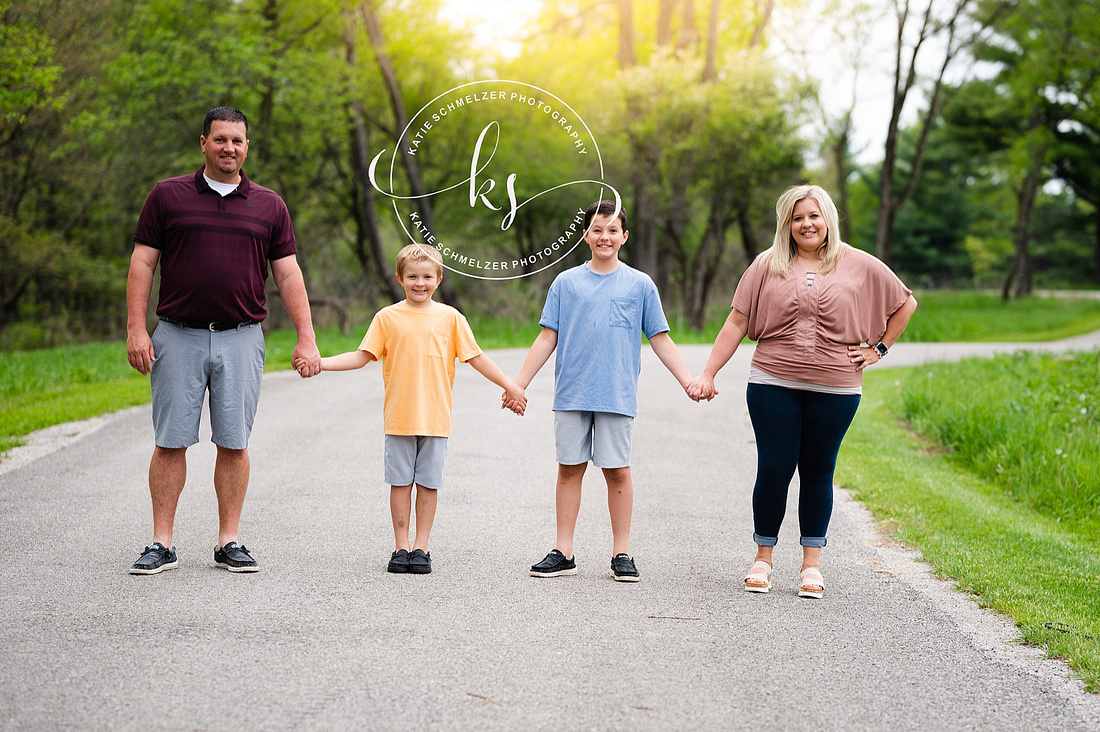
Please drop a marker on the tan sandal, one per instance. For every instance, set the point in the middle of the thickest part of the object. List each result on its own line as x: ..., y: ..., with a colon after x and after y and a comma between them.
x: 812, y: 583
x: 759, y: 578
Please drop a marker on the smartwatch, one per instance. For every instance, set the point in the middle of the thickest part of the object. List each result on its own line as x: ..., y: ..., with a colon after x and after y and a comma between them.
x: 881, y: 348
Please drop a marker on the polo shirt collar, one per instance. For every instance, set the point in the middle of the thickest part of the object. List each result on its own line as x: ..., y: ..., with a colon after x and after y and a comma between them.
x: 201, y: 184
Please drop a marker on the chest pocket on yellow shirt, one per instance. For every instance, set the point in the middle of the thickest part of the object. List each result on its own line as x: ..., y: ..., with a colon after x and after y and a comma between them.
x: 624, y: 313
x: 439, y: 347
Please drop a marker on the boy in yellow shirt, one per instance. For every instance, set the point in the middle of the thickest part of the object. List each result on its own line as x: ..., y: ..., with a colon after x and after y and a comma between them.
x: 417, y: 340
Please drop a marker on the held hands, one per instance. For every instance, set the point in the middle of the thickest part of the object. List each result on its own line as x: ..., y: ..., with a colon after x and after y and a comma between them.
x: 700, y: 388
x: 306, y: 361
x: 514, y: 398
x: 863, y: 356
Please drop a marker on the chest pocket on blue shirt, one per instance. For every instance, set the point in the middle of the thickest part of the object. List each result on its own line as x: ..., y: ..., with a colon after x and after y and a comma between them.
x: 624, y: 313
x: 439, y: 346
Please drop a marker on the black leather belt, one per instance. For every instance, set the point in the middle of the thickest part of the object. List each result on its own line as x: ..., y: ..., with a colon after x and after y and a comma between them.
x: 213, y: 327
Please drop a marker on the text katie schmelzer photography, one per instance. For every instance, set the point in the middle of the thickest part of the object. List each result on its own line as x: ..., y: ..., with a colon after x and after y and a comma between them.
x: 490, y: 108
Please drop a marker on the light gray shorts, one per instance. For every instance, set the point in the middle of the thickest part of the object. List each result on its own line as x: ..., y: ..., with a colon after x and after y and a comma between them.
x: 601, y: 437
x: 415, y: 459
x: 190, y: 361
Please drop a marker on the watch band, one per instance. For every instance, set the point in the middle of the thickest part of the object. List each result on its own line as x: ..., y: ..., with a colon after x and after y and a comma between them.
x: 881, y: 348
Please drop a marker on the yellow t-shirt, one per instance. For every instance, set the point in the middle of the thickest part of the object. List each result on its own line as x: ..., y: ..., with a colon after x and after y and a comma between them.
x: 418, y: 348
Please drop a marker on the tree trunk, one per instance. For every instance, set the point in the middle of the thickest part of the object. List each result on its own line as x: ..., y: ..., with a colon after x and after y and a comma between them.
x: 643, y: 240
x: 710, y: 69
x: 368, y: 241
x: 1096, y: 244
x: 689, y: 34
x: 401, y: 120
x: 366, y: 219
x: 762, y: 23
x: 904, y: 80
x: 643, y: 249
x: 748, y: 234
x: 270, y: 15
x: 626, y: 34
x: 839, y: 150
x: 664, y: 22
x: 706, y: 266
x: 1021, y: 270
x: 1038, y: 142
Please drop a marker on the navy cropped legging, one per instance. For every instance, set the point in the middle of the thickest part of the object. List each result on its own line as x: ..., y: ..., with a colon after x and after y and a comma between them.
x: 796, y: 429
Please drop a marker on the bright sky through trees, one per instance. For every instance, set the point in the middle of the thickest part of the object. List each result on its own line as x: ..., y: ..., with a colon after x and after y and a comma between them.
x: 497, y: 22
x: 501, y: 23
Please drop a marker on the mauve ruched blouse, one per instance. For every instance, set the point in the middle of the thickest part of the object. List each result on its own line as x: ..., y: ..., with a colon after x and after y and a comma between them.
x: 803, y: 333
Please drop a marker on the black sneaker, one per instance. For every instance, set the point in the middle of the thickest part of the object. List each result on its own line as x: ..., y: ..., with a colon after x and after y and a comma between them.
x: 554, y: 564
x: 155, y: 559
x: 399, y: 562
x: 420, y: 562
x: 235, y: 558
x: 622, y: 567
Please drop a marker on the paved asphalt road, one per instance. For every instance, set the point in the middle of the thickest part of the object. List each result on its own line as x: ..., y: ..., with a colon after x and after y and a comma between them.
x: 322, y: 638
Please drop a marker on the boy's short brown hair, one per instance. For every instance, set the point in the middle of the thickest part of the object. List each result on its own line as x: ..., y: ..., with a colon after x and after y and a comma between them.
x: 419, y: 253
x: 604, y: 208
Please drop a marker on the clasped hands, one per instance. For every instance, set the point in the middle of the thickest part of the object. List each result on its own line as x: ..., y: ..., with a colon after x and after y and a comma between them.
x: 307, y: 366
x: 700, y: 388
x: 514, y: 399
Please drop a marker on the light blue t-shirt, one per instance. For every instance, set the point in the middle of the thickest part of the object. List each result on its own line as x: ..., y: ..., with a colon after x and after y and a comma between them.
x: 600, y: 320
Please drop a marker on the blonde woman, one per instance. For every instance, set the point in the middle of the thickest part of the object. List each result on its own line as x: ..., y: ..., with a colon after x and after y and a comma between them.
x: 821, y: 312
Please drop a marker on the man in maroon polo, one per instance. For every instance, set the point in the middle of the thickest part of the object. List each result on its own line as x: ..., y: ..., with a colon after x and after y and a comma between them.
x: 214, y: 234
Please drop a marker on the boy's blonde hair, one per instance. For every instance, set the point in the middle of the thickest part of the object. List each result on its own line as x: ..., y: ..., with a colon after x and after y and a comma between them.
x: 419, y: 253
x: 784, y: 249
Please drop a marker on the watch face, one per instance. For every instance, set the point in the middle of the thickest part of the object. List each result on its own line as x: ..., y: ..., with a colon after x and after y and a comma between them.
x: 881, y: 348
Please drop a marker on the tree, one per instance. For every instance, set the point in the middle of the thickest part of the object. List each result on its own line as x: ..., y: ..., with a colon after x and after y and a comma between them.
x: 1077, y: 162
x: 401, y: 120
x: 697, y: 126
x: 852, y: 28
x: 48, y: 178
x: 1046, y: 50
x: 716, y: 147
x: 916, y: 39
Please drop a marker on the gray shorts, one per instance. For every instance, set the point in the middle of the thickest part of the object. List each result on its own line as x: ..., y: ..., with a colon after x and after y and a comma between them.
x: 190, y: 361
x: 415, y: 459
x: 601, y: 437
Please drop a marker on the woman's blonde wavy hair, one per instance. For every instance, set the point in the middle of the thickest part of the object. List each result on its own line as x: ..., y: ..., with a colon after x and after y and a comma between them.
x: 784, y: 249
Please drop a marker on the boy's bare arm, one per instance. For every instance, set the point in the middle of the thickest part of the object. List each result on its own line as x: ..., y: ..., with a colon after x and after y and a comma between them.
x: 347, y: 361
x: 540, y: 351
x: 514, y: 398
x: 666, y: 350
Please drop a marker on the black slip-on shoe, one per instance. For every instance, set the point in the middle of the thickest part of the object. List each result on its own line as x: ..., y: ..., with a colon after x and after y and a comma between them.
x: 420, y: 562
x: 623, y: 569
x: 155, y: 559
x: 399, y: 562
x: 235, y: 558
x: 554, y: 564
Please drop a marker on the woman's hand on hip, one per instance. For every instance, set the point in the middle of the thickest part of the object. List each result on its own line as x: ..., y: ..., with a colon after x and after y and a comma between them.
x: 863, y: 356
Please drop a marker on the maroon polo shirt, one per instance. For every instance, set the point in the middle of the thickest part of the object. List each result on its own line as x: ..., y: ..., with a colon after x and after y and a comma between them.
x: 214, y: 250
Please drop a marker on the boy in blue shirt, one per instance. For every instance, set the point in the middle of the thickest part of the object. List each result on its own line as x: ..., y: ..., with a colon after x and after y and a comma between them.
x: 594, y: 315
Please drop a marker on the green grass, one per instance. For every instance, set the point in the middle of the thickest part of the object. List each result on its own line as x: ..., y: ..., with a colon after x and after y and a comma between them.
x: 1040, y: 571
x: 1029, y: 422
x: 945, y: 316
x: 39, y: 389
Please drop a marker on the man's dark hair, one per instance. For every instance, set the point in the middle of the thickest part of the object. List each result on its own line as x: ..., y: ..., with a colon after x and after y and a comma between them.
x: 223, y: 114
x: 604, y: 208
